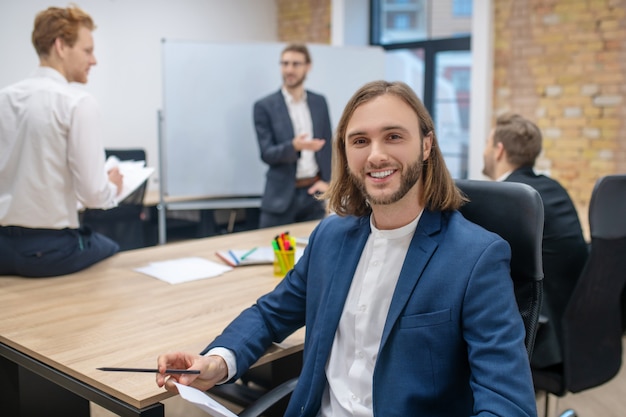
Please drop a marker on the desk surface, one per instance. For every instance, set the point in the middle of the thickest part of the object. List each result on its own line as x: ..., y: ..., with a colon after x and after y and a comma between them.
x: 152, y: 197
x: 110, y: 315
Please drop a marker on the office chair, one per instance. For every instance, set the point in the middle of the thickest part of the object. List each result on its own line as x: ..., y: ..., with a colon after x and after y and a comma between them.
x: 257, y: 392
x: 258, y: 407
x: 123, y: 223
x: 515, y: 212
x: 592, y: 328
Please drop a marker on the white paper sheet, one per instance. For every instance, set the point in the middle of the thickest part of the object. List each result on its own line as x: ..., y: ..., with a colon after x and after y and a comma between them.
x: 203, y: 401
x: 134, y: 174
x: 176, y: 271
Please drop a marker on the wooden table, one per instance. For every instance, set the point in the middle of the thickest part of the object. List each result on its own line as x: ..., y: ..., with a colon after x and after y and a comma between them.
x: 63, y: 328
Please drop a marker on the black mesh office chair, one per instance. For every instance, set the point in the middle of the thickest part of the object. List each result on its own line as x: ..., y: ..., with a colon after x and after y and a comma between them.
x: 123, y: 223
x: 592, y: 328
x: 515, y: 212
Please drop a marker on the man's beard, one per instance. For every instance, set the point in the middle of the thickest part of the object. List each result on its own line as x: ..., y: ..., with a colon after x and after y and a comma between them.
x: 408, y: 179
x: 297, y: 83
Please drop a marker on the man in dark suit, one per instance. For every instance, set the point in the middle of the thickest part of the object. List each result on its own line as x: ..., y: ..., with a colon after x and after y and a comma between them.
x: 512, y: 148
x: 294, y: 135
x: 409, y: 308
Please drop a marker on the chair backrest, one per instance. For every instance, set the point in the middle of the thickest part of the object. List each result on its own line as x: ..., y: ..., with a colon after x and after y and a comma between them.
x: 127, y: 154
x: 592, y: 328
x: 515, y: 212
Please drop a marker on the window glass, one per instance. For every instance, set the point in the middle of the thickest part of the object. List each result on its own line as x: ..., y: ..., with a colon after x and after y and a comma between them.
x: 451, y: 108
x: 404, y: 21
x: 462, y: 8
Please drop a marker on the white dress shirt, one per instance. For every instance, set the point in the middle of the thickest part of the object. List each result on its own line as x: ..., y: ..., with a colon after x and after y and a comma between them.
x: 300, y: 115
x: 51, y: 153
x: 350, y: 367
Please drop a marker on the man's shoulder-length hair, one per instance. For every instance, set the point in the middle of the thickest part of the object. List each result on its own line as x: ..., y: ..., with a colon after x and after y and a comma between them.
x: 439, y: 193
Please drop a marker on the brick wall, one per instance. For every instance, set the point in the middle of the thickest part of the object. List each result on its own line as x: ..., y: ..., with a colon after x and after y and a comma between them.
x: 562, y: 63
x: 304, y: 21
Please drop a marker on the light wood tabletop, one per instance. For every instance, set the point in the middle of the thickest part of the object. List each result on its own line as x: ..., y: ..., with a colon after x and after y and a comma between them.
x: 111, y: 315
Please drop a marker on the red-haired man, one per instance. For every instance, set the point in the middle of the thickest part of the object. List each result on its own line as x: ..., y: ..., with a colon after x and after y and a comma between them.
x: 52, y: 155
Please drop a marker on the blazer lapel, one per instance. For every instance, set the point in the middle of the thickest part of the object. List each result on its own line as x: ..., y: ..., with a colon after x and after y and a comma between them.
x: 420, y: 251
x: 350, y: 251
x: 314, y: 114
x: 282, y: 112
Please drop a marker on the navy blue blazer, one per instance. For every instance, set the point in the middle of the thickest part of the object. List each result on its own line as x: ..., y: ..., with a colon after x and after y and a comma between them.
x: 275, y: 132
x: 453, y: 341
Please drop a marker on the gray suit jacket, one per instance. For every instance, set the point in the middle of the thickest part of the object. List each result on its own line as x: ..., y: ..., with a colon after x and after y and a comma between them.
x: 274, y: 133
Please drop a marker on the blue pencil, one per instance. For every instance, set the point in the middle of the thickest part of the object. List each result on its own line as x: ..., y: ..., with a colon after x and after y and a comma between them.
x: 232, y: 255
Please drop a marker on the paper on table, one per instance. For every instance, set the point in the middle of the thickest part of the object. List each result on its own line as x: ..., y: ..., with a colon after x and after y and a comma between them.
x: 180, y: 270
x: 302, y: 241
x: 203, y: 401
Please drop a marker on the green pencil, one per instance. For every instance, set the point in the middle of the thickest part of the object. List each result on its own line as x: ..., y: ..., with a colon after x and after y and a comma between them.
x: 250, y: 252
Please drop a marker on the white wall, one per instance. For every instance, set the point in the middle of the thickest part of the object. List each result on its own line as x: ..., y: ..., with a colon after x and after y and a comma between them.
x: 481, y: 103
x: 350, y: 22
x: 127, y: 81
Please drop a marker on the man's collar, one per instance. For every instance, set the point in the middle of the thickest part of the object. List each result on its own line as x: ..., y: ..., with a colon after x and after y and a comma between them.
x: 289, y: 98
x: 49, y: 72
x: 504, y: 176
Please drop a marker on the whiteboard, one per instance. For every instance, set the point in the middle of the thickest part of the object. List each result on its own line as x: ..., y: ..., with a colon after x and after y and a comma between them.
x: 208, y: 142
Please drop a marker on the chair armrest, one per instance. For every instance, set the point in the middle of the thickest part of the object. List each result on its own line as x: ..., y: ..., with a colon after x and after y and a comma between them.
x: 269, y: 399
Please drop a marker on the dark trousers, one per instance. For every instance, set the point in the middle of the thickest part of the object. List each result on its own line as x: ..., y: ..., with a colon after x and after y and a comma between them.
x: 50, y: 252
x: 303, y: 207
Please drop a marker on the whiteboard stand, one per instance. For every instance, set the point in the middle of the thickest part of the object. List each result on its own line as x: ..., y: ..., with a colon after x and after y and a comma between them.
x: 161, y: 209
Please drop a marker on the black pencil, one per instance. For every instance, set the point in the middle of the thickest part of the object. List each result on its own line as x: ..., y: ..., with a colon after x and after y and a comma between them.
x: 150, y: 370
